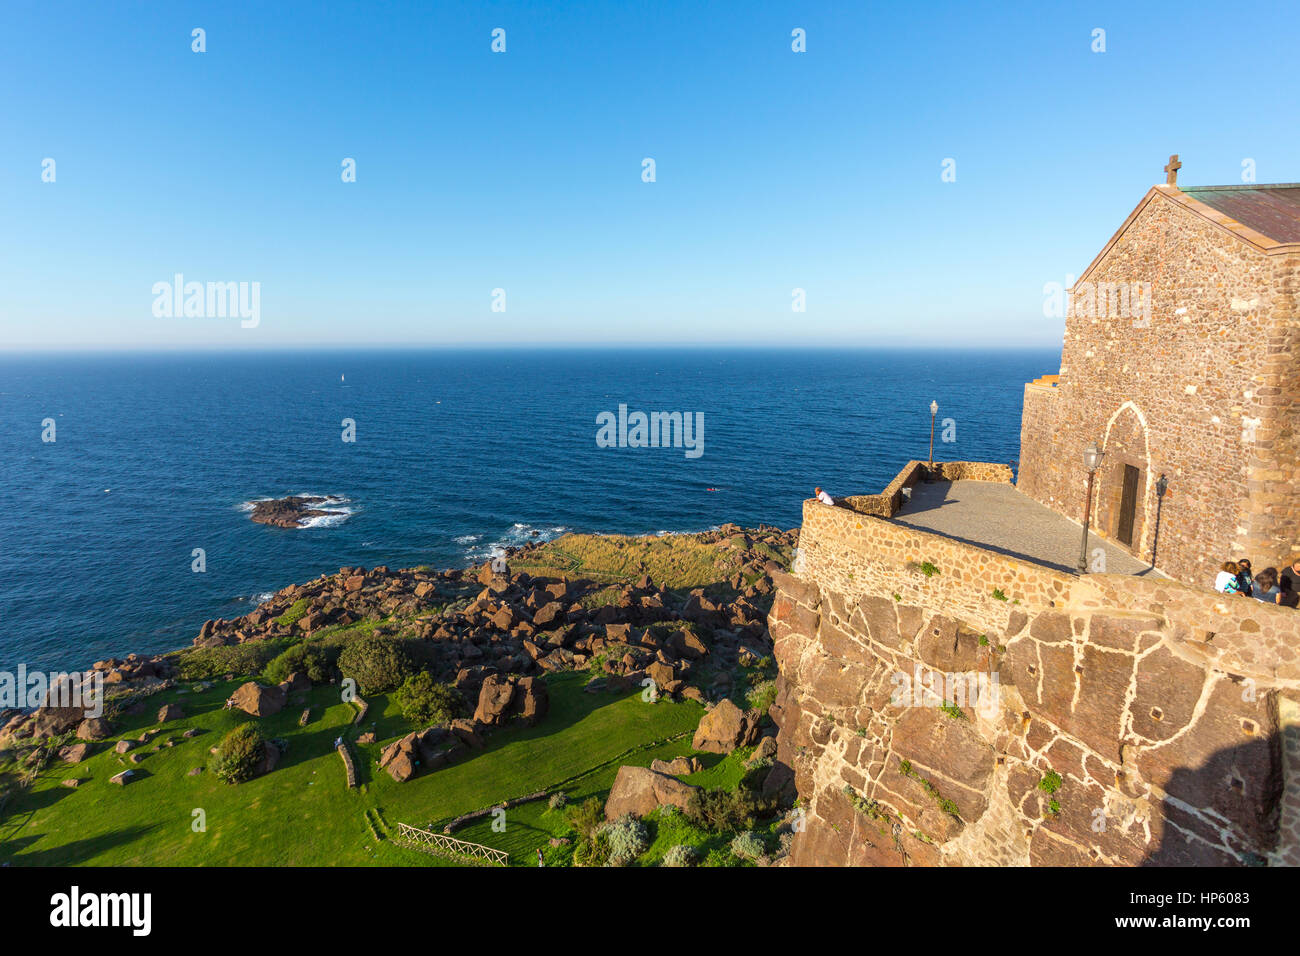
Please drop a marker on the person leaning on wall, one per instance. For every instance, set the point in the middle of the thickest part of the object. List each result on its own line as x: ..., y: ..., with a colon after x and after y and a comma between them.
x: 1289, y: 582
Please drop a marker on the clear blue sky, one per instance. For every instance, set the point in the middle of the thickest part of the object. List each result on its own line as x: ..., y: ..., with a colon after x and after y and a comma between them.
x: 522, y: 170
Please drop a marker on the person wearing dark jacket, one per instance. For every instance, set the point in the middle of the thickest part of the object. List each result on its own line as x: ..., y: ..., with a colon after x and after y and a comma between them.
x: 1244, y: 577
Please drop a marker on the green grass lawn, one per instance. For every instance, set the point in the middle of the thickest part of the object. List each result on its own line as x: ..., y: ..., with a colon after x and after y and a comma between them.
x: 677, y: 562
x: 302, y: 814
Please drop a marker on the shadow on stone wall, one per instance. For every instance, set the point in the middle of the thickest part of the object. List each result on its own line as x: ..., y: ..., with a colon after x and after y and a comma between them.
x: 1222, y: 787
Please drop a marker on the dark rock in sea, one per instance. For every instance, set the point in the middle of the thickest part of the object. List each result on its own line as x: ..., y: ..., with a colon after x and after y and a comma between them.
x: 290, y: 512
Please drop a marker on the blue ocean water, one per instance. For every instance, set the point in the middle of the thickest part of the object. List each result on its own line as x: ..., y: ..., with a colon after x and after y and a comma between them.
x: 456, y: 452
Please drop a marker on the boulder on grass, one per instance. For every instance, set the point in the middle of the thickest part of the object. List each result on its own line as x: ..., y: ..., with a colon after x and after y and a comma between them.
x: 399, y: 758
x: 94, y: 728
x: 494, y: 700
x: 639, y: 790
x: 74, y: 753
x: 532, y: 700
x: 402, y: 767
x: 724, y: 728
x: 253, y: 698
x: 677, y: 768
x: 469, y: 732
x: 170, y: 712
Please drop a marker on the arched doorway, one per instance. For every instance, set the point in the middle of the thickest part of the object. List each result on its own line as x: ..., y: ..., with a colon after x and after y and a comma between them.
x: 1125, y: 484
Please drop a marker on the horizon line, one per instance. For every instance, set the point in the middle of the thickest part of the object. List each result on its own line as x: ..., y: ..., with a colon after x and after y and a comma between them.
x: 801, y: 346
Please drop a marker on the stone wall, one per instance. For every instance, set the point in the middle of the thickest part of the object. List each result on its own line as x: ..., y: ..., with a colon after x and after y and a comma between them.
x: 1206, y: 392
x: 1096, y: 720
x: 887, y: 503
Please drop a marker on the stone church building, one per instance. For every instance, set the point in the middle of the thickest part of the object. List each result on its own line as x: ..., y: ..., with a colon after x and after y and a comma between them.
x: 1181, y: 358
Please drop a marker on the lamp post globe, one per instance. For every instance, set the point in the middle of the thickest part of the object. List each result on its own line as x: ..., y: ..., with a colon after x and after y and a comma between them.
x: 1092, y: 456
x: 934, y: 410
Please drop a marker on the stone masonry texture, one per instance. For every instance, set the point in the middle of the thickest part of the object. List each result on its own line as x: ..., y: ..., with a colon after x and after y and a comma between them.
x: 1206, y: 392
x: 940, y: 704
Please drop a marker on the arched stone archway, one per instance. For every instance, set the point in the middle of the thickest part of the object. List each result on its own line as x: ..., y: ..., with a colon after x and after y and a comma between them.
x: 1125, y: 487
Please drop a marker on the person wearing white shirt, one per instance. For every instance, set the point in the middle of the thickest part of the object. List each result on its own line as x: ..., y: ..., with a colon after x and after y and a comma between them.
x: 823, y: 497
x: 1226, y: 580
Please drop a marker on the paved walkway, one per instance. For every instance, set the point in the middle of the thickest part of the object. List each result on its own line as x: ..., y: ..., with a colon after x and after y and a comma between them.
x: 996, y: 516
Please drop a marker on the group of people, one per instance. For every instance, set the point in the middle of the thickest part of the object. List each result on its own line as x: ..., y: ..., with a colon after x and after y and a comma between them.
x: 1269, y: 585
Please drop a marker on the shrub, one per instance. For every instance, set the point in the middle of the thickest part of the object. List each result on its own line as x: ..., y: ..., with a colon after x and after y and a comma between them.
x: 586, y: 817
x: 377, y: 664
x: 424, y: 701
x: 748, y: 845
x: 755, y: 773
x: 953, y: 711
x: 293, y: 613
x: 202, y: 663
x: 681, y: 855
x: 720, y: 810
x: 240, y: 754
x: 762, y: 696
x: 561, y: 855
x: 593, y: 852
x: 720, y: 857
x: 558, y: 800
x: 317, y: 661
x: 628, y: 838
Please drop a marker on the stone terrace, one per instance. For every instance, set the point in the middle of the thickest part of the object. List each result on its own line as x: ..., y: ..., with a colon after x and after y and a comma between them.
x: 995, y: 516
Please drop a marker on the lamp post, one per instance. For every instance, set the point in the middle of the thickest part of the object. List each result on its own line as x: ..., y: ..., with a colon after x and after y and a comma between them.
x: 1092, y: 456
x: 1162, y: 485
x: 934, y: 410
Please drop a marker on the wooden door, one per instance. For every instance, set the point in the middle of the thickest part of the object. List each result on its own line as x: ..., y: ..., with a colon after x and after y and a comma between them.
x: 1128, y: 506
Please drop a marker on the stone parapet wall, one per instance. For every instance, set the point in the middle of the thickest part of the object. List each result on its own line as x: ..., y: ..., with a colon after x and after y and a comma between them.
x: 1119, y: 720
x: 887, y: 503
x: 856, y: 554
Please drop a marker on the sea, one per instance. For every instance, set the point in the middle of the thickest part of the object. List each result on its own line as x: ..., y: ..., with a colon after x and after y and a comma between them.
x: 128, y: 479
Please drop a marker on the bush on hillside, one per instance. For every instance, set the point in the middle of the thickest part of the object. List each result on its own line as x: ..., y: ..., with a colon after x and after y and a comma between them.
x: 628, y: 839
x: 424, y: 701
x: 317, y: 661
x: 762, y: 696
x: 722, y: 810
x: 377, y: 664
x: 240, y: 754
x: 722, y: 856
x: 558, y: 800
x: 293, y: 613
x: 586, y: 817
x: 681, y: 855
x: 593, y: 852
x: 204, y: 663
x: 755, y: 773
x: 748, y: 845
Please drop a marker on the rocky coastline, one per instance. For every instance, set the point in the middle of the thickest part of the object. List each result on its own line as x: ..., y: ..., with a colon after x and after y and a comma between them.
x: 490, y: 631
